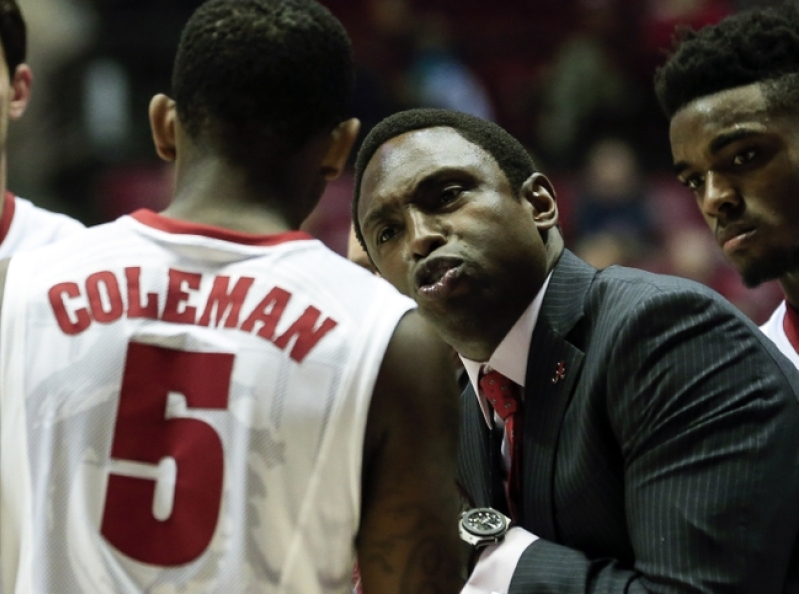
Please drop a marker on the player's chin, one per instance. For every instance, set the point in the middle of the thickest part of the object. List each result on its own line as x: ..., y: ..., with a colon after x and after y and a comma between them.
x: 771, y: 265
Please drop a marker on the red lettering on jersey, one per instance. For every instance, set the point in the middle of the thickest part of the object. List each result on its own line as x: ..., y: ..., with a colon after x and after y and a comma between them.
x: 226, y: 301
x: 223, y: 307
x: 58, y: 295
x: 145, y: 433
x: 115, y: 305
x: 177, y: 296
x: 135, y: 308
x: 306, y: 333
x: 268, y: 313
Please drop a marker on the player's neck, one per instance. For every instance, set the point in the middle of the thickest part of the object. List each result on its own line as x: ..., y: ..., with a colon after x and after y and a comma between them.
x: 211, y: 193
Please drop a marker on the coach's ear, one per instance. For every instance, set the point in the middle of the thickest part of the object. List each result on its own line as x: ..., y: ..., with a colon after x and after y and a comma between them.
x: 163, y: 118
x: 539, y: 192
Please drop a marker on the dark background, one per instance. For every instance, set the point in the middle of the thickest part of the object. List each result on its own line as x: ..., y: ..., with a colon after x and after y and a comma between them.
x: 571, y: 79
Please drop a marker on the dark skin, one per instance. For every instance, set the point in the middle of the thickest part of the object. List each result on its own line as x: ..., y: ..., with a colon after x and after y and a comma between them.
x: 407, y: 541
x: 740, y: 158
x: 443, y: 225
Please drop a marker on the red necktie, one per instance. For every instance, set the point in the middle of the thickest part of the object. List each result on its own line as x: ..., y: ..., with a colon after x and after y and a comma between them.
x: 503, y: 395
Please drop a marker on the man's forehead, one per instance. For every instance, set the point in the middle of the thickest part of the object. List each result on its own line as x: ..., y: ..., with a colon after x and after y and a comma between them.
x: 429, y: 145
x: 731, y: 106
x: 405, y: 160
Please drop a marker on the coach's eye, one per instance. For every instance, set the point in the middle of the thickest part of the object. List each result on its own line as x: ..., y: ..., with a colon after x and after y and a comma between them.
x: 694, y: 182
x: 449, y: 194
x: 385, y: 234
x: 744, y: 157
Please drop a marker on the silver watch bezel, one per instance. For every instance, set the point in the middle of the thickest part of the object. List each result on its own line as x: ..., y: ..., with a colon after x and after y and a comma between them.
x: 475, y: 534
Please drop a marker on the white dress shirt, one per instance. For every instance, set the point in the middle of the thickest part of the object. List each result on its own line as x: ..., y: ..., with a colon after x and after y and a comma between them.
x: 494, y: 569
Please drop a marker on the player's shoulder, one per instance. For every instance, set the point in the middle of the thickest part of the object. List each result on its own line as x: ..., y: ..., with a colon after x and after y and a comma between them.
x: 25, y: 227
x: 34, y: 216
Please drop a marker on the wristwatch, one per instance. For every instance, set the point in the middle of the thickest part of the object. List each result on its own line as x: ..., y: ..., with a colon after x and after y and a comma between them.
x: 483, y: 526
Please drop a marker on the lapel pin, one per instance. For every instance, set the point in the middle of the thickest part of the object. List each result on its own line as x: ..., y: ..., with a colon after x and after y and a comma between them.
x: 560, y: 372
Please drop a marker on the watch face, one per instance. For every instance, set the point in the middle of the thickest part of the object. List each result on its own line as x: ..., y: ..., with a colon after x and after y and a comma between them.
x: 484, y: 522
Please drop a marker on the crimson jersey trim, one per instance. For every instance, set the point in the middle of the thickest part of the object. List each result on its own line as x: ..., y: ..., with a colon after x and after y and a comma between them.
x: 162, y: 223
x: 790, y: 324
x: 9, y: 204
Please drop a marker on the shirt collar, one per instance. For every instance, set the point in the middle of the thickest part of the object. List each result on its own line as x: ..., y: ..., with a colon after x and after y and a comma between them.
x: 510, y: 357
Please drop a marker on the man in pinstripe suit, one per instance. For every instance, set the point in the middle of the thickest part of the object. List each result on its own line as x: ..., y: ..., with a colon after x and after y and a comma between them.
x: 660, y: 447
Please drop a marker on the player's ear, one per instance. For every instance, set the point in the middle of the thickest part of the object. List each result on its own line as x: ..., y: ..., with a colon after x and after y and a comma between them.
x: 21, y: 91
x: 342, y: 140
x: 540, y: 193
x: 163, y: 118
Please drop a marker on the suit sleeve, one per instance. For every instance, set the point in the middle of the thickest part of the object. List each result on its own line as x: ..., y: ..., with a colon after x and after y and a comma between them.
x: 707, y: 420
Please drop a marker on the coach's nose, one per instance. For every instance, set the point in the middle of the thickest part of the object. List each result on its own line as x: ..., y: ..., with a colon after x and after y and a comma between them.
x: 425, y: 233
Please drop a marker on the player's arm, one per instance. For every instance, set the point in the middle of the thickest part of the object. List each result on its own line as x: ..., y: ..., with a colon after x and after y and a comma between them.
x: 408, y: 539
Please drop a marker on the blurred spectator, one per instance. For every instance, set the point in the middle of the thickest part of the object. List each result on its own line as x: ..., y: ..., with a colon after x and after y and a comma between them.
x: 382, y: 55
x: 585, y: 85
x: 612, y: 221
x: 438, y: 78
x: 587, y: 64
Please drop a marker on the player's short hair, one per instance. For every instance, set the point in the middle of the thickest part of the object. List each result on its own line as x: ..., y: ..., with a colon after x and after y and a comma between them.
x: 13, y: 35
x: 754, y: 46
x: 262, y: 77
x: 512, y: 158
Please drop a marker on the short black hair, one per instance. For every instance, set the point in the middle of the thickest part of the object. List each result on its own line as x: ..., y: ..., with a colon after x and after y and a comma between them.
x: 754, y: 46
x: 262, y: 76
x: 13, y: 35
x: 512, y: 158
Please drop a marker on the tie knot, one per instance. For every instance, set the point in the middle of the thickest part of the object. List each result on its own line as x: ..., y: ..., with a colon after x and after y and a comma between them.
x: 500, y: 392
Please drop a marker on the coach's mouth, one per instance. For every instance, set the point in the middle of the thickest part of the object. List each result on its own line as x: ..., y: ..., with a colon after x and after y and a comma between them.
x: 437, y: 278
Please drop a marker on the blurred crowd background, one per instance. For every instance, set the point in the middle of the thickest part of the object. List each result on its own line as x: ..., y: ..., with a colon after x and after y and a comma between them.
x: 571, y: 79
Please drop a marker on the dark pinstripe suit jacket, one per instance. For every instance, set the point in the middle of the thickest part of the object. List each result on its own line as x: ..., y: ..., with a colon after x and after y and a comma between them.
x: 666, y: 459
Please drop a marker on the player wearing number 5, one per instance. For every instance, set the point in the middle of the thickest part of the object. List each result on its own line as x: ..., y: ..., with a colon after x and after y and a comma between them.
x: 206, y: 399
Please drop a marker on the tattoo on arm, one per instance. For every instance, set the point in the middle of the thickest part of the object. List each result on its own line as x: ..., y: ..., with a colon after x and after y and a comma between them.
x: 429, y: 566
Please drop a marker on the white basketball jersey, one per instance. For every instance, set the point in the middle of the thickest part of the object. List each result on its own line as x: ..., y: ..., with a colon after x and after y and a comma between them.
x: 774, y: 328
x: 24, y: 227
x: 183, y: 411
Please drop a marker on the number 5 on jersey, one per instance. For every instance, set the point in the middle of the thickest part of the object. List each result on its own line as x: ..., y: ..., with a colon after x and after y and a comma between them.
x: 144, y: 433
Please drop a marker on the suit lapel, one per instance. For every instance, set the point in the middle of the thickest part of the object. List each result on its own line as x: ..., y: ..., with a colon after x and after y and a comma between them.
x: 553, y: 367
